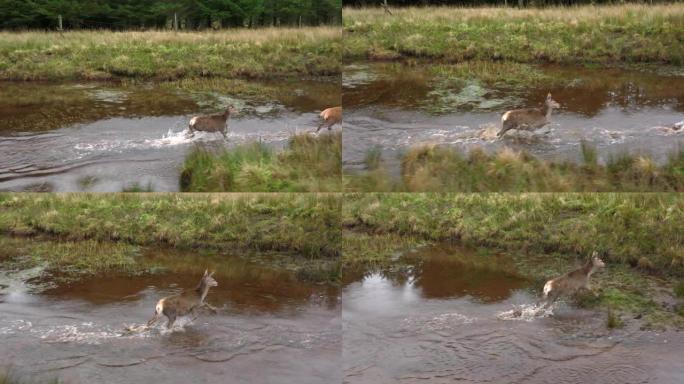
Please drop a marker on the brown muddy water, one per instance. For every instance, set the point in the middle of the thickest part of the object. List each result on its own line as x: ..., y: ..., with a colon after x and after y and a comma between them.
x: 107, y: 137
x: 391, y: 106
x: 269, y: 328
x: 449, y: 315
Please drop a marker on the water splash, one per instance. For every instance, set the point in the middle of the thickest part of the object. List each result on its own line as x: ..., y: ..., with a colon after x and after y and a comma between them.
x: 441, y: 322
x: 526, y: 312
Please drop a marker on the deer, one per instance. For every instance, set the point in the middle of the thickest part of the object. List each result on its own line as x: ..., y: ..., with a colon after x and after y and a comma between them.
x: 528, y: 119
x: 573, y: 281
x: 211, y: 123
x: 330, y: 116
x: 186, y: 302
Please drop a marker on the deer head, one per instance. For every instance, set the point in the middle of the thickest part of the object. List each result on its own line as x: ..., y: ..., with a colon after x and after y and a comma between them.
x: 550, y: 102
x: 208, y: 279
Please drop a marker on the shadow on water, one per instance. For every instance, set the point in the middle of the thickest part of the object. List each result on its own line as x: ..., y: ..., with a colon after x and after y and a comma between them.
x: 270, y: 327
x: 104, y: 136
x: 392, y: 106
x: 440, y: 316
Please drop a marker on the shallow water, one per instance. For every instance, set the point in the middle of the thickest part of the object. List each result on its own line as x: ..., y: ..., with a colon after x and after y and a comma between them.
x: 104, y: 137
x: 269, y: 326
x: 393, y: 106
x: 453, y: 316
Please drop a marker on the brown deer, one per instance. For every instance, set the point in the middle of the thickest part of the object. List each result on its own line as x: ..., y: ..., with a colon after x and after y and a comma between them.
x: 528, y: 119
x: 573, y: 281
x: 185, y: 302
x: 211, y: 123
x: 330, y: 116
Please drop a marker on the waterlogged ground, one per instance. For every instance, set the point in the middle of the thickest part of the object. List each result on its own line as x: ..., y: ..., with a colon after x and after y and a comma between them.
x: 449, y: 315
x: 392, y: 106
x: 107, y: 137
x: 269, y: 327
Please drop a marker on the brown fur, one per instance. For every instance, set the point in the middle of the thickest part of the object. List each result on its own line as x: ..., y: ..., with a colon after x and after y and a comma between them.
x: 573, y: 281
x: 330, y: 116
x: 211, y: 123
x: 528, y: 119
x: 184, y: 303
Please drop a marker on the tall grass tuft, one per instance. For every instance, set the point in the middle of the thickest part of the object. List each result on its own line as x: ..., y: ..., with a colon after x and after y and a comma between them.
x: 309, y: 163
x: 434, y: 168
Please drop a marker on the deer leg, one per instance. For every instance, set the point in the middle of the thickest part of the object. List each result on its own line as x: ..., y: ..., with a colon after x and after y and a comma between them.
x: 211, y: 307
x: 194, y: 314
x: 172, y: 319
x: 320, y: 126
x: 550, y: 299
x: 153, y: 320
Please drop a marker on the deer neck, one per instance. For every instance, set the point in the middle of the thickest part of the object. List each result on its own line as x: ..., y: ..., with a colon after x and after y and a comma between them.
x: 202, y: 290
x: 546, y: 110
x: 588, y: 268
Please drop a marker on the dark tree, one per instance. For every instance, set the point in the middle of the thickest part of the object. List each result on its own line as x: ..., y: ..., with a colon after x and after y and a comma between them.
x: 187, y: 14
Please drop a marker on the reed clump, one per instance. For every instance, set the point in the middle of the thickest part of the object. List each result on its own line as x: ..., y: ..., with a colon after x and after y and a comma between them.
x: 308, y: 164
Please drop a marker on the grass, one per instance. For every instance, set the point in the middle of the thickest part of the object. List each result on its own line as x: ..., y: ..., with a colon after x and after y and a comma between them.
x: 72, y: 258
x: 303, y: 224
x: 545, y: 234
x: 167, y: 55
x: 309, y: 163
x: 432, y: 168
x: 605, y: 35
x: 11, y: 378
x: 96, y: 234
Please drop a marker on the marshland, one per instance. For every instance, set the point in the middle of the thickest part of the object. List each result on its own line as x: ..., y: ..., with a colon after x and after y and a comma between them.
x: 443, y: 287
x: 77, y: 270
x: 104, y: 110
x: 442, y: 77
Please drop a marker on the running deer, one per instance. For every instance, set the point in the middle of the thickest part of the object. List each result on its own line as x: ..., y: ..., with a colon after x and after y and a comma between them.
x: 185, y: 302
x: 211, y: 123
x: 330, y: 116
x: 528, y: 119
x: 573, y: 281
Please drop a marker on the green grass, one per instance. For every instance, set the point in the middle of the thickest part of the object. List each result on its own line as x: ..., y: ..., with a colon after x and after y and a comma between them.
x: 11, y: 378
x: 167, y: 55
x: 71, y: 258
x: 308, y: 164
x: 622, y: 227
x: 545, y: 234
x: 605, y: 35
x: 431, y: 168
x: 304, y: 224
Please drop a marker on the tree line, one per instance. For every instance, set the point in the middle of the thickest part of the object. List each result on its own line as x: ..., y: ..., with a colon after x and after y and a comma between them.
x: 171, y: 14
x: 531, y: 3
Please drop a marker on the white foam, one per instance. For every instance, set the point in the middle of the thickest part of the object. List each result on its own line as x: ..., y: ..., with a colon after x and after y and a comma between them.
x: 169, y: 139
x: 441, y: 322
x: 526, y: 312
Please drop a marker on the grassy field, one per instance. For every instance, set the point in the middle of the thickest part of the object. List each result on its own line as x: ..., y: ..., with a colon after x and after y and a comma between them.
x: 430, y: 168
x: 166, y: 55
x: 98, y: 233
x: 308, y: 164
x: 605, y: 35
x: 638, y: 235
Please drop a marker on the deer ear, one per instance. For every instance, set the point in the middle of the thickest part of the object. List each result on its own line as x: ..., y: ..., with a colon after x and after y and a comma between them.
x: 206, y: 272
x: 212, y: 273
